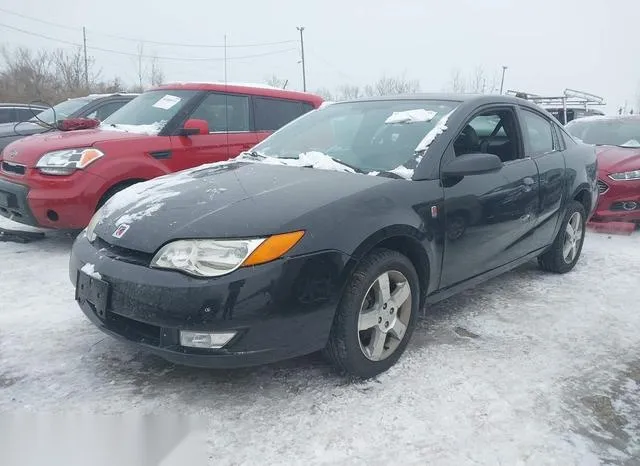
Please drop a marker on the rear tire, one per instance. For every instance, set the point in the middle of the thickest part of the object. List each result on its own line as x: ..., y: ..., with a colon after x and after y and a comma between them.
x: 376, y: 315
x: 565, y: 251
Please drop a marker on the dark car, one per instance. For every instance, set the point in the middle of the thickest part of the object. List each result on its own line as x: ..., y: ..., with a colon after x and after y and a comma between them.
x: 12, y: 113
x: 617, y: 141
x: 98, y: 106
x: 334, y: 232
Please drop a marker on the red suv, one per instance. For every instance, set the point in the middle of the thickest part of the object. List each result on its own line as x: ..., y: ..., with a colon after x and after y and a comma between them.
x: 58, y: 180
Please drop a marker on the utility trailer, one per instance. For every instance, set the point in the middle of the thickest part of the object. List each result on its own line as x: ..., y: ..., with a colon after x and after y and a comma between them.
x: 569, y: 106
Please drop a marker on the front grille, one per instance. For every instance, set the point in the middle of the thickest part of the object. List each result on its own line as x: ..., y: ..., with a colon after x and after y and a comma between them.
x: 13, y: 168
x: 602, y: 187
x: 123, y: 254
x: 133, y: 329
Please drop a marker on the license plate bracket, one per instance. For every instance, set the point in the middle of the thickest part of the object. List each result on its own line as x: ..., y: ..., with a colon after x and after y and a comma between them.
x: 93, y: 291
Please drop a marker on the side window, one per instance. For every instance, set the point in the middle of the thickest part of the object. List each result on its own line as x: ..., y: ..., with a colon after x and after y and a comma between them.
x: 6, y: 115
x: 491, y: 132
x: 107, y: 109
x: 539, y: 132
x: 224, y: 113
x: 273, y: 114
x: 25, y: 114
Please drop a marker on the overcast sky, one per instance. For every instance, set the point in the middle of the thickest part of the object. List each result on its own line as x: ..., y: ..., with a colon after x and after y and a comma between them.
x: 590, y: 45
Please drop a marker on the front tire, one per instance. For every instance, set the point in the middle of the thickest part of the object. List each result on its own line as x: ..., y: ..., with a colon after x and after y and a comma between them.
x: 565, y: 251
x: 376, y: 315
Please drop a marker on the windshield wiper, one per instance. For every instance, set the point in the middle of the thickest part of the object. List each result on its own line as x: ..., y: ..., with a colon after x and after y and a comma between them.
x: 253, y: 153
x: 355, y: 169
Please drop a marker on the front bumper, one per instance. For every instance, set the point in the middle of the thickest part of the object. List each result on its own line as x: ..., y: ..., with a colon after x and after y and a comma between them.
x: 65, y: 202
x: 13, y: 203
x: 614, y: 202
x: 279, y: 310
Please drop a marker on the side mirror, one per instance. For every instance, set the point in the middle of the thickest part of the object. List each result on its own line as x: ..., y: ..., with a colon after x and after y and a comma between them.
x: 194, y: 126
x: 472, y: 164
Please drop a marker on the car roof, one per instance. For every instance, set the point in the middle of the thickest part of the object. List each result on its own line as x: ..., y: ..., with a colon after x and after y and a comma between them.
x: 453, y: 97
x: 263, y: 90
x: 606, y: 117
x: 4, y: 104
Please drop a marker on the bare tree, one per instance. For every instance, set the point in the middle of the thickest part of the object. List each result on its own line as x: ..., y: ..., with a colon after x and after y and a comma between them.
x: 156, y: 75
x: 27, y: 74
x: 69, y: 72
x: 275, y: 81
x: 392, y: 86
x: 349, y: 92
x: 325, y: 93
x: 140, y: 69
x: 478, y: 84
x: 49, y: 76
x: 457, y: 84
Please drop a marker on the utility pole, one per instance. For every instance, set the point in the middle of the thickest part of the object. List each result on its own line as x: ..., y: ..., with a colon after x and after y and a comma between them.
x: 304, y: 71
x: 86, y: 60
x: 225, y: 59
x: 504, y: 68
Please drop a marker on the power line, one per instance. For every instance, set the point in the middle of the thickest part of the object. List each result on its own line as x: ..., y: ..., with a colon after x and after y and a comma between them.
x: 119, y: 52
x: 153, y: 42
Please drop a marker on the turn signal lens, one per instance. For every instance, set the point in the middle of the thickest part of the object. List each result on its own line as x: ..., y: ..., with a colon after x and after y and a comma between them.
x: 88, y: 156
x: 273, y: 248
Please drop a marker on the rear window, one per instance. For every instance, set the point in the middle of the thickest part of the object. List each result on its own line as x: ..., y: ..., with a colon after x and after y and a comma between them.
x: 607, y: 131
x: 272, y: 114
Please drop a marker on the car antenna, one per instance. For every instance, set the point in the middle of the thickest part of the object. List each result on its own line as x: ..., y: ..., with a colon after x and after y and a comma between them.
x: 35, y: 115
x: 226, y: 97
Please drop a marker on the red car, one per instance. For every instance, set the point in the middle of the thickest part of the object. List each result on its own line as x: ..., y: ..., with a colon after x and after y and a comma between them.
x: 618, y: 141
x: 59, y: 180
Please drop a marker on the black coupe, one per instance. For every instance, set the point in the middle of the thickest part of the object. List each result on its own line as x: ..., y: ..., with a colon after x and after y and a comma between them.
x: 334, y: 232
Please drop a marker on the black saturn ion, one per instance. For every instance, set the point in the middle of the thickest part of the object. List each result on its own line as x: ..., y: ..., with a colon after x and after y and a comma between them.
x: 334, y: 232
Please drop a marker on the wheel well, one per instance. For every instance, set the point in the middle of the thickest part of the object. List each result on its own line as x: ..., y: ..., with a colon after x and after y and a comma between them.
x: 584, y: 198
x: 414, y: 251
x: 115, y: 188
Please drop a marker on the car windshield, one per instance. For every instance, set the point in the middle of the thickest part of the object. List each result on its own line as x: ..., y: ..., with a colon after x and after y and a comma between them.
x: 367, y: 136
x: 59, y: 112
x: 149, y: 112
x: 607, y: 131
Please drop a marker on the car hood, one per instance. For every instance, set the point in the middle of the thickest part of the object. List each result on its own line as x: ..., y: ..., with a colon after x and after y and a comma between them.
x: 614, y: 159
x: 27, y: 151
x: 22, y: 129
x: 234, y: 199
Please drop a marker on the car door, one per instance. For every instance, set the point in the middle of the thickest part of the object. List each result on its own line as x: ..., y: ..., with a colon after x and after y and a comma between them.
x: 230, y: 132
x: 543, y: 144
x: 488, y: 218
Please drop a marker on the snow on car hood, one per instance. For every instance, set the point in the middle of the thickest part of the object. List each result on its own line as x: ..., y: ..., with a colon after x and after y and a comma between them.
x: 306, y: 159
x: 223, y: 200
x: 150, y: 130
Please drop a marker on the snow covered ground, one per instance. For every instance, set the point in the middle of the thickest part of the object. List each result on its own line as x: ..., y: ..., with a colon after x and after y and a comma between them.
x: 529, y: 369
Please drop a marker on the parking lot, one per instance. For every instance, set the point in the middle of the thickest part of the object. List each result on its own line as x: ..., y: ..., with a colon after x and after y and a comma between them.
x: 530, y: 368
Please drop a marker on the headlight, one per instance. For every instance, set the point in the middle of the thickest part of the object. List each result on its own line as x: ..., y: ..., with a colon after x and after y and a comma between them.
x: 90, y: 230
x: 213, y: 258
x: 65, y: 162
x: 632, y: 175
